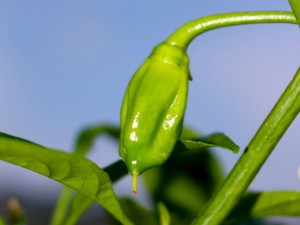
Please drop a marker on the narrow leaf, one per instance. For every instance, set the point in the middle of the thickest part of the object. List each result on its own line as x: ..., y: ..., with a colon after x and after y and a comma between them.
x: 2, y: 222
x: 188, y: 133
x: 71, y: 170
x: 83, y: 145
x: 185, y: 183
x: 80, y: 203
x: 265, y: 204
x: 164, y: 215
x: 218, y: 140
x: 61, y: 206
x: 137, y: 213
x: 86, y: 138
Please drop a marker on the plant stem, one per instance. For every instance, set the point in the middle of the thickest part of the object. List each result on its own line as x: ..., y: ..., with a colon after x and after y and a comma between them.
x: 295, y: 4
x: 271, y: 130
x: 62, y: 207
x: 185, y: 34
x: 257, y: 152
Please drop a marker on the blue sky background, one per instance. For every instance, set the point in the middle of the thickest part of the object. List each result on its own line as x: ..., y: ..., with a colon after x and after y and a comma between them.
x: 65, y: 65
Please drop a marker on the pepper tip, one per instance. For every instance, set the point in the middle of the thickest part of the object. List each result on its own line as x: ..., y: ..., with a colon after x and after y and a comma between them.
x: 134, y: 182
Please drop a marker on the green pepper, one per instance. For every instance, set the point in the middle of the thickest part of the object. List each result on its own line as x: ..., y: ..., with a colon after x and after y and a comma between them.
x: 153, y: 109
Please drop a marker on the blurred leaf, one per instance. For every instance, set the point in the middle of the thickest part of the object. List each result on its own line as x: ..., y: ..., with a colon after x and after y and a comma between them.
x: 266, y: 204
x: 86, y: 138
x: 137, y: 213
x: 164, y: 216
x: 83, y: 145
x: 62, y: 206
x: 185, y: 183
x: 116, y: 170
x: 72, y: 170
x: 80, y: 203
x: 190, y: 177
x: 295, y: 4
x: 188, y: 133
x: 214, y: 140
x: 2, y: 222
x: 251, y: 221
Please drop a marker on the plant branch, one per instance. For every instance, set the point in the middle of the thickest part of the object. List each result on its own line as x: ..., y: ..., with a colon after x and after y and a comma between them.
x: 295, y: 4
x: 257, y: 152
x: 185, y: 34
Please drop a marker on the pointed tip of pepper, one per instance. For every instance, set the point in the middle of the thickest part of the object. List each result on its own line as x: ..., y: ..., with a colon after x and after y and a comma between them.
x: 134, y: 182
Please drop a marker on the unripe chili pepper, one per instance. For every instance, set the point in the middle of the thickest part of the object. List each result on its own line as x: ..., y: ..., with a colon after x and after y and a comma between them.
x: 153, y: 109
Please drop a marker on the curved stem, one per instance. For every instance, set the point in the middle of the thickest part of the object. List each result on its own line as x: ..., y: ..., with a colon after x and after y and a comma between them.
x: 186, y: 33
x: 257, y: 152
x: 271, y: 130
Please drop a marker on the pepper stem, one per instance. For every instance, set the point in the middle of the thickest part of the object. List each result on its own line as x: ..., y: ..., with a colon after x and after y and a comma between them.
x: 186, y: 33
x: 134, y: 182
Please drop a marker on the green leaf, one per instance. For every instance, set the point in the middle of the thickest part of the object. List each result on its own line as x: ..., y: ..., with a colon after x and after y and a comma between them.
x: 116, y: 170
x: 185, y: 183
x: 214, y: 140
x: 83, y: 145
x: 164, y: 215
x: 80, y: 203
x: 71, y: 170
x: 188, y: 133
x: 61, y: 207
x: 190, y: 177
x: 137, y: 213
x: 266, y: 204
x: 2, y: 222
x: 86, y: 137
x: 295, y: 4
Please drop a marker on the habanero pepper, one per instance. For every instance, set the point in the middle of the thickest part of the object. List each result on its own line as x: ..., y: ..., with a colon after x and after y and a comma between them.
x: 153, y: 109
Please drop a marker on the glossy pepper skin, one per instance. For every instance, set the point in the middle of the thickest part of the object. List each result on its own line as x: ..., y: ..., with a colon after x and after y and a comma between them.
x: 153, y: 109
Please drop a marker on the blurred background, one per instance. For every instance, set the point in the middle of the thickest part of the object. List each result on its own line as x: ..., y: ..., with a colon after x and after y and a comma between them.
x: 64, y: 66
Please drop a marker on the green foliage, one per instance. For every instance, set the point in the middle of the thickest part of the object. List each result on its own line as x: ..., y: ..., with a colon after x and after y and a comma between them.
x: 189, y: 178
x: 61, y: 206
x: 79, y: 204
x: 164, y: 215
x: 179, y: 188
x: 87, y: 136
x: 71, y: 206
x: 214, y: 140
x: 265, y: 204
x: 137, y: 213
x: 71, y: 170
x: 2, y: 222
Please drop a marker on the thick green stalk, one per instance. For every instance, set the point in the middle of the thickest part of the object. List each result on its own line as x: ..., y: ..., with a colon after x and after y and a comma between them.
x: 257, y: 152
x: 185, y: 34
x: 295, y: 4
